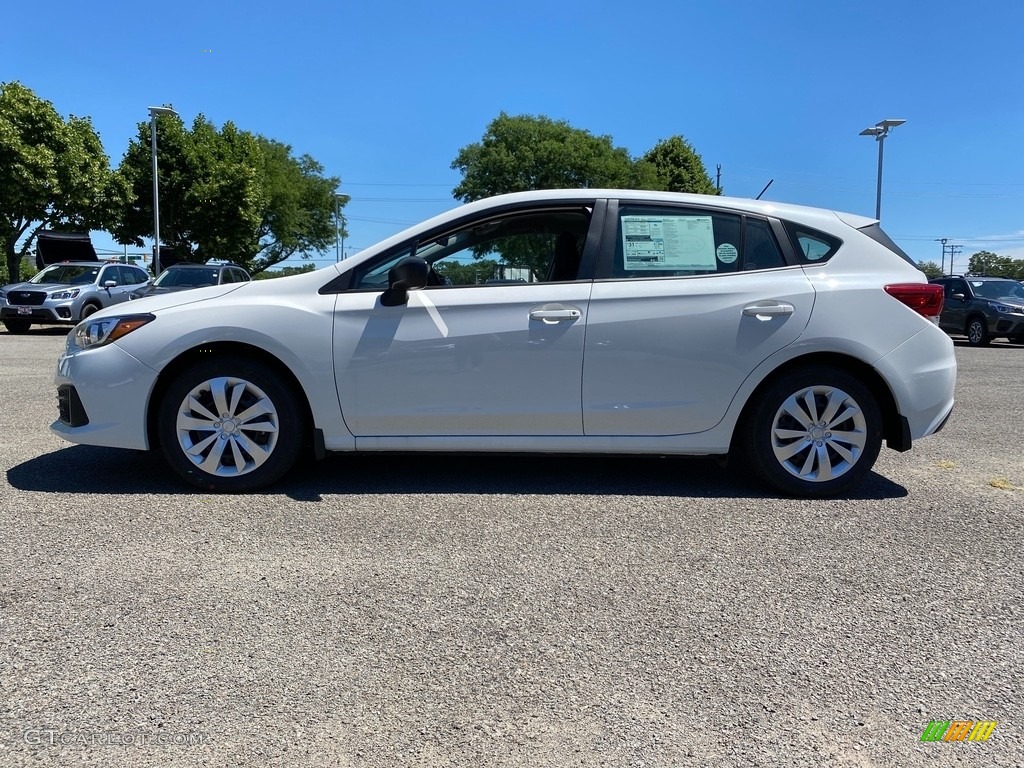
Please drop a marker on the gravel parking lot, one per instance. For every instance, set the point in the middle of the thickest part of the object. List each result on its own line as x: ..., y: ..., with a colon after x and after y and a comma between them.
x: 497, y: 611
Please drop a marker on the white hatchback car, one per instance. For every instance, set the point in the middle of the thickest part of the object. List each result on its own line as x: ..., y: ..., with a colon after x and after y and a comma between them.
x: 792, y: 338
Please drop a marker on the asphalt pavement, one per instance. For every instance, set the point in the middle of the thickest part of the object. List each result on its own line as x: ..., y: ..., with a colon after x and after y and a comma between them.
x: 500, y: 611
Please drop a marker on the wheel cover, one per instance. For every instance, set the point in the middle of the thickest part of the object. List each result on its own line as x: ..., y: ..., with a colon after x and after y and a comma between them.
x: 819, y: 433
x: 227, y: 426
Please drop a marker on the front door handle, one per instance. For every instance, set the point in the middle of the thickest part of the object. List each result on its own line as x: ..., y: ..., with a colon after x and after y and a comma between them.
x: 555, y: 315
x: 767, y: 310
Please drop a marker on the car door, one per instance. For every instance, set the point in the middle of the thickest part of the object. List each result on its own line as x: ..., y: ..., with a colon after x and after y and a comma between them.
x: 114, y: 294
x: 954, y: 311
x: 493, y: 345
x: 688, y: 301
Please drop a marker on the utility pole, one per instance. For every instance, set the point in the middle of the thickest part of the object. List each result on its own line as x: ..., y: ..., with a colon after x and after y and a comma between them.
x: 718, y: 178
x: 952, y: 249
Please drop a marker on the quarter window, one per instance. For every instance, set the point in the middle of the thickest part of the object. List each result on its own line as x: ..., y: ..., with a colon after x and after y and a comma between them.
x: 813, y: 247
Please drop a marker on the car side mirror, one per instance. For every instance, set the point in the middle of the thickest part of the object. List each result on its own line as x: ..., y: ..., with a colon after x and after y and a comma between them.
x: 109, y: 283
x: 958, y: 296
x: 408, y: 274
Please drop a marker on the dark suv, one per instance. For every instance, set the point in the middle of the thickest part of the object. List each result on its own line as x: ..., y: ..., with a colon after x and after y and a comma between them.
x: 982, y: 308
x: 183, y: 276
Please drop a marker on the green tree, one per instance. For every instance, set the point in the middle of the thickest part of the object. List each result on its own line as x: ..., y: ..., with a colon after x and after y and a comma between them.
x: 462, y: 273
x: 930, y: 269
x: 524, y: 152
x: 994, y: 265
x: 676, y: 167
x: 284, y: 272
x: 54, y: 174
x: 227, y: 194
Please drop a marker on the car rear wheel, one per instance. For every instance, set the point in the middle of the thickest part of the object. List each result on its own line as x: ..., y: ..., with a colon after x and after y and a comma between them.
x: 231, y: 425
x: 977, y: 332
x: 17, y: 326
x: 1017, y: 339
x: 814, y: 432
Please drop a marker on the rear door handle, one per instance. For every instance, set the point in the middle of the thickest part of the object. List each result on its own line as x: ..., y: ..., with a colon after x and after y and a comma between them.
x: 768, y: 309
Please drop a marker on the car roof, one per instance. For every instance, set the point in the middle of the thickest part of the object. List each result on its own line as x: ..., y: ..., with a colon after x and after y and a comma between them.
x: 973, y: 277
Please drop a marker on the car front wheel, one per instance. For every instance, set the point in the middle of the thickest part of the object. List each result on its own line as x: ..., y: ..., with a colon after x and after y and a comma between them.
x: 977, y: 332
x: 230, y: 425
x: 814, y: 432
x: 89, y: 309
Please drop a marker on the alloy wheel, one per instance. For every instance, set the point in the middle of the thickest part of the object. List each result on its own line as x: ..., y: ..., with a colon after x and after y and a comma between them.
x: 227, y: 426
x: 819, y: 433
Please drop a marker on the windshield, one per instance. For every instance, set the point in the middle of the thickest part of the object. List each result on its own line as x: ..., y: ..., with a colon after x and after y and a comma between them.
x: 67, y: 274
x: 998, y: 289
x: 187, y: 278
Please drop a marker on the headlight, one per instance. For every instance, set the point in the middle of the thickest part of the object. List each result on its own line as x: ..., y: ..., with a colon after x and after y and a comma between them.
x: 1006, y: 309
x: 66, y: 294
x: 95, y: 333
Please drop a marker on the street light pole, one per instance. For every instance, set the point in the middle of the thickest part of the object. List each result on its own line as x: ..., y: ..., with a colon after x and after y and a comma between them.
x: 153, y: 112
x: 880, y: 130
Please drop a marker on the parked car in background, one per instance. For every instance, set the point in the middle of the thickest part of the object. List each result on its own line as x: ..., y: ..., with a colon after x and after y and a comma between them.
x: 67, y: 293
x: 184, y: 276
x: 796, y: 340
x: 982, y: 308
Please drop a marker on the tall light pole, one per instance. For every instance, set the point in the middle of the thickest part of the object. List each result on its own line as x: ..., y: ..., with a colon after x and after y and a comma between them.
x: 880, y: 130
x: 153, y: 112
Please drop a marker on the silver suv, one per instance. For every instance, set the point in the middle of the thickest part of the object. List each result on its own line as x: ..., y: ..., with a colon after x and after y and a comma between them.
x: 68, y: 292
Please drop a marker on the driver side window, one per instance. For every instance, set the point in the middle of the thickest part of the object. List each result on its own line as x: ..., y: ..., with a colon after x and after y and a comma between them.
x: 522, y: 248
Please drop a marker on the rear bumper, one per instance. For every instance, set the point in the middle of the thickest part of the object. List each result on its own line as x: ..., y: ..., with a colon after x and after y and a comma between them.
x: 922, y: 376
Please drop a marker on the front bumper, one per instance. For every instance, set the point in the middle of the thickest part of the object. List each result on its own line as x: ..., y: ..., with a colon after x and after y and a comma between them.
x: 112, y: 389
x: 1007, y: 324
x: 49, y: 312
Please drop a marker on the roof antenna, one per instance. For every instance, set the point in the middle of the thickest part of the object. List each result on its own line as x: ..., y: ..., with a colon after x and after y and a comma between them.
x: 765, y: 189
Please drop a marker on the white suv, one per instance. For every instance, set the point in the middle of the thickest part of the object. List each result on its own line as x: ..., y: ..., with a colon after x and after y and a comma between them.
x: 68, y: 292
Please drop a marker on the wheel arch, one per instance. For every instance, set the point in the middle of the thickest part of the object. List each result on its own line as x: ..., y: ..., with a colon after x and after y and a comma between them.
x: 240, y: 349
x: 975, y: 315
x: 895, y: 430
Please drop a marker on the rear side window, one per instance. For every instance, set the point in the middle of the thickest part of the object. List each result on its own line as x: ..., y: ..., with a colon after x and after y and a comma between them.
x: 812, y: 246
x: 680, y: 242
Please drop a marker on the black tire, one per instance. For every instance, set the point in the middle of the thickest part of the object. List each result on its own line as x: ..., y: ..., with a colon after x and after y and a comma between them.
x: 89, y: 309
x: 17, y: 326
x: 1017, y: 339
x: 817, y: 463
x: 266, y: 444
x: 977, y: 331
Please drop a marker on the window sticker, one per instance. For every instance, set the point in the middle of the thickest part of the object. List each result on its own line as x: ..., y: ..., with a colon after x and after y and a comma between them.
x: 659, y: 243
x: 727, y: 253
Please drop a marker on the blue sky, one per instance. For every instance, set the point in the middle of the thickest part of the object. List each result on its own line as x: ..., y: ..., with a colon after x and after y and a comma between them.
x: 385, y: 94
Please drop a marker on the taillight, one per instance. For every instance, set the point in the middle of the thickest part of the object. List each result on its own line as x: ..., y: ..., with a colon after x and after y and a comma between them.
x: 924, y: 298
